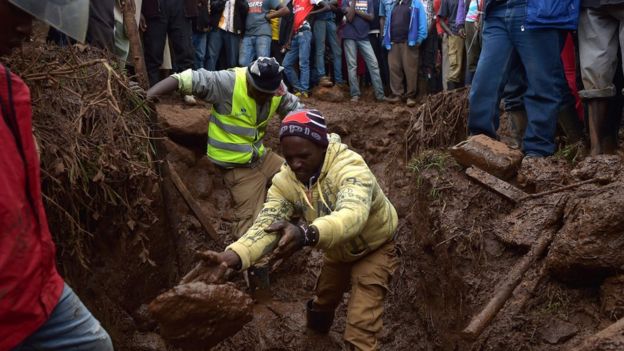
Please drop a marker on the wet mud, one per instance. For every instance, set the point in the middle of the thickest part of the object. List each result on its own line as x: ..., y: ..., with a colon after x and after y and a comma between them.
x: 458, y: 241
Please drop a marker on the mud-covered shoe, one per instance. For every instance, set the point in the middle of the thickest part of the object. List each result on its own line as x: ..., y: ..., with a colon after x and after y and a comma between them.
x: 325, y: 81
x: 393, y: 99
x: 190, y: 100
x: 411, y: 102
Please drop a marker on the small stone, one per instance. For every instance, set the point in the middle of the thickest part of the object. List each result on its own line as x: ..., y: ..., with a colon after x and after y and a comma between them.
x: 558, y: 331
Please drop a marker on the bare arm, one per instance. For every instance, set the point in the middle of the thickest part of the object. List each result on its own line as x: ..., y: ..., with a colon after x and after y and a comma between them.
x: 164, y: 87
x: 445, y: 26
x: 280, y: 12
x: 366, y: 16
x: 325, y: 7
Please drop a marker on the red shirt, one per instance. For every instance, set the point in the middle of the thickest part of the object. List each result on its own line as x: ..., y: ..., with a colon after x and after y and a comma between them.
x: 436, y: 9
x: 30, y: 286
x: 301, y: 10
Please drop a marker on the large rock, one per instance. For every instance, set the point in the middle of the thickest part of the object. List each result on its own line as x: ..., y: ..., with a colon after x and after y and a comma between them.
x: 199, y: 315
x: 185, y: 125
x: 489, y: 155
x: 590, y: 245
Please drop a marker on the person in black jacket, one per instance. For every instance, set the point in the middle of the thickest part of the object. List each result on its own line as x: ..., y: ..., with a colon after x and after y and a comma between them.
x: 172, y: 18
x: 227, y: 19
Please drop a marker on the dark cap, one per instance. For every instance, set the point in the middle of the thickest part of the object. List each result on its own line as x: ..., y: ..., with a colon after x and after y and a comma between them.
x: 265, y: 74
x: 308, y: 124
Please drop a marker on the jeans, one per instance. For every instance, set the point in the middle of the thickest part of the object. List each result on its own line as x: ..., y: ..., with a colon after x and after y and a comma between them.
x: 299, y: 49
x: 504, y: 35
x: 199, y: 42
x: 218, y: 39
x: 70, y: 327
x: 351, y: 47
x: 177, y: 26
x: 326, y: 29
x: 252, y: 47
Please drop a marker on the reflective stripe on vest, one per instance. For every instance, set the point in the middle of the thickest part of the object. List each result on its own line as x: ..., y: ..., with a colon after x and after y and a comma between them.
x: 236, y: 139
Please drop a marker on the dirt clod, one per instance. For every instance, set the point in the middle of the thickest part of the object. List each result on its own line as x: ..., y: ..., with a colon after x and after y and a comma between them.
x: 331, y: 94
x: 198, y: 315
x: 558, y: 331
x: 590, y: 244
x: 489, y: 155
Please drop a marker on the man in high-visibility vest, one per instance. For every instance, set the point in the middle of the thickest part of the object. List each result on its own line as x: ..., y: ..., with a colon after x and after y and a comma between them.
x: 243, y: 101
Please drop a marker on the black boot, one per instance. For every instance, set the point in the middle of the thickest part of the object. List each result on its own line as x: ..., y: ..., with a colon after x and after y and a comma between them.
x: 597, y: 116
x: 518, y: 119
x: 570, y: 124
x: 451, y: 85
x: 318, y: 320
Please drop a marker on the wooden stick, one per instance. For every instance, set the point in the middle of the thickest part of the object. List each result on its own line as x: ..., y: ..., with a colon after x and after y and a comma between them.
x: 480, y: 321
x: 567, y: 187
x: 614, y: 330
x: 132, y: 31
x: 193, y: 205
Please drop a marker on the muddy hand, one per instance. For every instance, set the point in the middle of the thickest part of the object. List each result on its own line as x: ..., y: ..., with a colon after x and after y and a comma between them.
x: 211, y: 269
x: 290, y: 241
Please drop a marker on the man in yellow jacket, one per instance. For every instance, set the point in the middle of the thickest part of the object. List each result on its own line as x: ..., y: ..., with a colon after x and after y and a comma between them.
x: 346, y: 215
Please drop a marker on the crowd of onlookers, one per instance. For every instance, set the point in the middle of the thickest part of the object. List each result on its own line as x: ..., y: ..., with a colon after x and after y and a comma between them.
x: 399, y: 47
x: 549, y: 64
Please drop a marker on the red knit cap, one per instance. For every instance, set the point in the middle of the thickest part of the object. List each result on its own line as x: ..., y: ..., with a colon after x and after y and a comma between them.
x: 308, y: 124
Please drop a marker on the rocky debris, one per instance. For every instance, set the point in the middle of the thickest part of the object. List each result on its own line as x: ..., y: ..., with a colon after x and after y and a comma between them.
x: 201, y: 315
x: 187, y: 126
x: 489, y: 155
x: 612, y: 297
x: 601, y: 166
x: 331, y: 94
x: 537, y: 174
x: 526, y: 223
x: 178, y: 153
x: 589, y: 246
x: 558, y: 331
x: 142, y: 319
x: 147, y: 342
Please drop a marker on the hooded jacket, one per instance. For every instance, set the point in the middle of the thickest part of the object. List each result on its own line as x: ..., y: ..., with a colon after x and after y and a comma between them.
x: 347, y: 206
x: 417, y: 26
x: 30, y: 286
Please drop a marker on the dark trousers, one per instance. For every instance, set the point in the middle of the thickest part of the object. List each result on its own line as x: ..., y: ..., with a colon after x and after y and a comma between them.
x: 173, y: 22
x: 218, y: 41
x: 431, y: 49
x: 382, y: 58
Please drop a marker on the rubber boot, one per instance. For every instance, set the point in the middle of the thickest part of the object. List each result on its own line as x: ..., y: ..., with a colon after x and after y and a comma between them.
x: 570, y: 124
x: 318, y: 320
x: 518, y: 119
x: 597, y: 116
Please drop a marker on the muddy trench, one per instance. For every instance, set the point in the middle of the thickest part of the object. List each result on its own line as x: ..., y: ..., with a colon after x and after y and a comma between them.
x: 458, y: 242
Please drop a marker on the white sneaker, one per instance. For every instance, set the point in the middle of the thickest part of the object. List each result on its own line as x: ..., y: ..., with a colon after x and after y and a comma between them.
x: 190, y: 100
x: 355, y: 98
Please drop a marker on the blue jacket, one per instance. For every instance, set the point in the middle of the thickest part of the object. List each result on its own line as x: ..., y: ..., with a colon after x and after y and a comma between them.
x: 417, y: 27
x: 549, y: 14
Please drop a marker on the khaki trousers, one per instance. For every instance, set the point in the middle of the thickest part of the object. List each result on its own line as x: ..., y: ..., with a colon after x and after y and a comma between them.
x: 403, y: 61
x: 248, y: 186
x: 368, y: 279
x: 455, y: 58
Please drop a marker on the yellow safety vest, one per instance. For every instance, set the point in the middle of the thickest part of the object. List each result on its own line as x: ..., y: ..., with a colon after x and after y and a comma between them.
x: 236, y: 139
